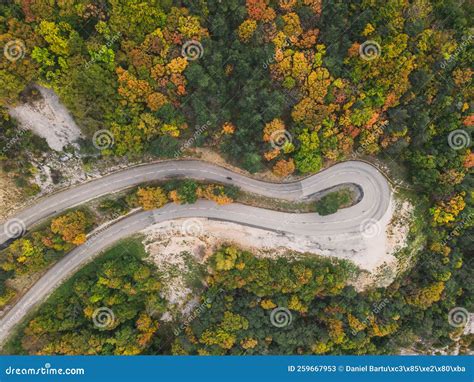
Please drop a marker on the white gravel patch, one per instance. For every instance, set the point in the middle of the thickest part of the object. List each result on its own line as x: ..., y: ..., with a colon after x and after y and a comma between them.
x: 49, y: 119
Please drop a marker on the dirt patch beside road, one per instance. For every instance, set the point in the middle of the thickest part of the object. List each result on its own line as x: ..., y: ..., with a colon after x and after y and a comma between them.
x: 10, y: 195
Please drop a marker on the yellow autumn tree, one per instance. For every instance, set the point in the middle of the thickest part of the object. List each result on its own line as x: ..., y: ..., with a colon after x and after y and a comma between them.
x: 354, y: 323
x: 214, y: 193
x: 427, y: 296
x: 267, y: 304
x: 151, y: 197
x: 248, y: 343
x: 446, y: 212
x: 336, y: 330
x: 271, y: 128
x: 177, y: 65
x: 292, y: 27
x: 246, y: 30
x: 225, y: 258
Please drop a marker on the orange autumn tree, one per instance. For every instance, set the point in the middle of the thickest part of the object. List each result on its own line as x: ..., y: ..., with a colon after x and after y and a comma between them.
x: 150, y: 198
x: 315, y: 5
x: 284, y: 168
x: 228, y: 128
x: 469, y: 160
x: 272, y: 154
x: 155, y: 101
x: 287, y: 5
x: 71, y: 227
x: 174, y: 196
x: 259, y: 10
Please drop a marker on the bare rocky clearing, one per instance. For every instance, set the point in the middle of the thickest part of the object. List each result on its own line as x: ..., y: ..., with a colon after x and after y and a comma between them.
x: 49, y: 119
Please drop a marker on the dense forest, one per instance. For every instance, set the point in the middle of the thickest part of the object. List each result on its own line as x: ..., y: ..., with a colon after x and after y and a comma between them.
x: 247, y: 306
x: 290, y: 86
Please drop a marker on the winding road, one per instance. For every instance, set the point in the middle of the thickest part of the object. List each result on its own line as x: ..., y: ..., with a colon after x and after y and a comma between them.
x: 373, y: 208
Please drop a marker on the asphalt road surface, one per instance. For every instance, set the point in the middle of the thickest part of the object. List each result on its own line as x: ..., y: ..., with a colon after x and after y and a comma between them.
x: 373, y: 207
